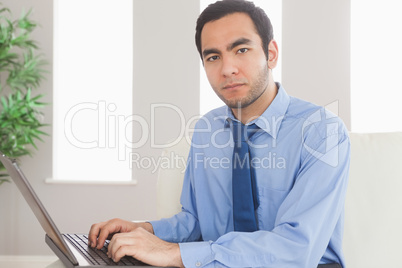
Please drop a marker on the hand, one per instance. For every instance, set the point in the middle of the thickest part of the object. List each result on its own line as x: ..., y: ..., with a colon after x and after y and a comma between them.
x: 105, y: 230
x: 145, y: 247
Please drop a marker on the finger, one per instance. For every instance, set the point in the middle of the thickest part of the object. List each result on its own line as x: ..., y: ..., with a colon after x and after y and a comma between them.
x: 114, y: 244
x: 94, y: 233
x: 118, y: 241
x: 111, y: 228
x: 124, y: 251
x: 104, y: 234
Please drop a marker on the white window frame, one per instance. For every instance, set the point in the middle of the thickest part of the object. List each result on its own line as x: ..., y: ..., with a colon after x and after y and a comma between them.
x: 375, y: 66
x: 93, y: 91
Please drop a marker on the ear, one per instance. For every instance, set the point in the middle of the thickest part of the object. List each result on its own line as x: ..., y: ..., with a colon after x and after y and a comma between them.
x: 273, y: 54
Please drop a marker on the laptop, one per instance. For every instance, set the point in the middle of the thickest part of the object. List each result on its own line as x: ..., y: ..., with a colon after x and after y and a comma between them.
x: 72, y: 249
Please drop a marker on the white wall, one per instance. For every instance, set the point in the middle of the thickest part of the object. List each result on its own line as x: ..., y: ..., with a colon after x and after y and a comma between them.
x: 316, y: 52
x: 166, y: 70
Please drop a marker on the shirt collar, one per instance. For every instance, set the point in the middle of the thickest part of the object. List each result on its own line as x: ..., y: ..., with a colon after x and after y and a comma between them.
x: 272, y: 117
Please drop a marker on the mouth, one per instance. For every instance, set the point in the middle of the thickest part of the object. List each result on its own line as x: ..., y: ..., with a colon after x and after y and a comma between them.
x: 233, y: 86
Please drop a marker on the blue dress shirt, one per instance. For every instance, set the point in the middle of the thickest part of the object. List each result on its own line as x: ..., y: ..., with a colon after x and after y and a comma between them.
x: 301, y: 159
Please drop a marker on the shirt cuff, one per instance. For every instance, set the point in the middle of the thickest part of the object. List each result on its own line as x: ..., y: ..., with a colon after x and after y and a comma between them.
x: 196, y: 254
x: 162, y: 230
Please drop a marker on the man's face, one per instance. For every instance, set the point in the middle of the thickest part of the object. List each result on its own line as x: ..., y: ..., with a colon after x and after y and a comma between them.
x: 234, y: 60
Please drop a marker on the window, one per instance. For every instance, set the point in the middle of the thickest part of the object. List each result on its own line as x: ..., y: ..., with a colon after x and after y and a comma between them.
x: 93, y: 67
x: 376, y: 87
x: 273, y: 8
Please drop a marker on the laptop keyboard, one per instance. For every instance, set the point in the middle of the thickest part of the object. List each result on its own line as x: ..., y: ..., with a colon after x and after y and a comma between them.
x: 99, y: 256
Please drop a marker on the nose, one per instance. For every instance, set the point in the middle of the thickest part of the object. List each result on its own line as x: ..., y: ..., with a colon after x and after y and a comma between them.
x: 229, y: 67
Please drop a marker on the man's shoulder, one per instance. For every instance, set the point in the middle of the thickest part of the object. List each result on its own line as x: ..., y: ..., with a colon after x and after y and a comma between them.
x: 301, y: 109
x: 314, y: 118
x: 220, y: 111
x: 213, y: 117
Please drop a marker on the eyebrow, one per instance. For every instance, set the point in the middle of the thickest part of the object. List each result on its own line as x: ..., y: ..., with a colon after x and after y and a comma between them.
x: 210, y: 51
x: 240, y: 41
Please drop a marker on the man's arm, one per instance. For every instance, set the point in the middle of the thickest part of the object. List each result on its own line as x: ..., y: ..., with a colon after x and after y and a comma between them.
x: 304, y: 224
x: 184, y: 226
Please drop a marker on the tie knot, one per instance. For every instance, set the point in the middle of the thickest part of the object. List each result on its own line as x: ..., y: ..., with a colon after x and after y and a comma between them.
x: 243, y: 132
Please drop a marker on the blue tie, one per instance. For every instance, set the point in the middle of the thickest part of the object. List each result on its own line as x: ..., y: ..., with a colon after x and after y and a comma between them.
x: 245, y: 200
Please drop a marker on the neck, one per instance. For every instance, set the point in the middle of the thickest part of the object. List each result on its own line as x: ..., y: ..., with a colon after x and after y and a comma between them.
x: 258, y: 107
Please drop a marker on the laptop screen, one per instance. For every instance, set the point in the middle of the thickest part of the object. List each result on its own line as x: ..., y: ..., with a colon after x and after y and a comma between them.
x: 36, y: 205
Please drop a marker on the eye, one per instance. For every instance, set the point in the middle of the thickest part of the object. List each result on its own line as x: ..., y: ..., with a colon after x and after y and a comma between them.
x: 242, y: 50
x: 213, y: 58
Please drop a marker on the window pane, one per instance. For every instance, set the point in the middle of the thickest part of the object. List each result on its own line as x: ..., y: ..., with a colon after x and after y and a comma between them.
x: 93, y: 49
x: 376, y: 56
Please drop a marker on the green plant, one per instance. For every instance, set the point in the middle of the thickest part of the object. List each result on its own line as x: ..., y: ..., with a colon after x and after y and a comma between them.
x: 21, y: 70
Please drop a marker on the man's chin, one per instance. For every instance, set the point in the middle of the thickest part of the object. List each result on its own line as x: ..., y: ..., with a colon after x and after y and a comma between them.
x: 237, y: 104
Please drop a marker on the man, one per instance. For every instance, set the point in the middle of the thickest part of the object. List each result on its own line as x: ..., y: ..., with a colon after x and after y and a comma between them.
x: 296, y: 177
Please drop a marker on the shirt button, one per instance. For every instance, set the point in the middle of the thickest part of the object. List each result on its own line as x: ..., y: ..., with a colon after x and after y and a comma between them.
x: 198, y: 264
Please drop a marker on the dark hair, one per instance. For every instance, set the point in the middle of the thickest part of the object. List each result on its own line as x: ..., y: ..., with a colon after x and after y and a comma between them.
x: 222, y: 8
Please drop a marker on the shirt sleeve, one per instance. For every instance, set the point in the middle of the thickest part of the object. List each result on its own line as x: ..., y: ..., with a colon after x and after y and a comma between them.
x: 183, y: 226
x: 305, y: 221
